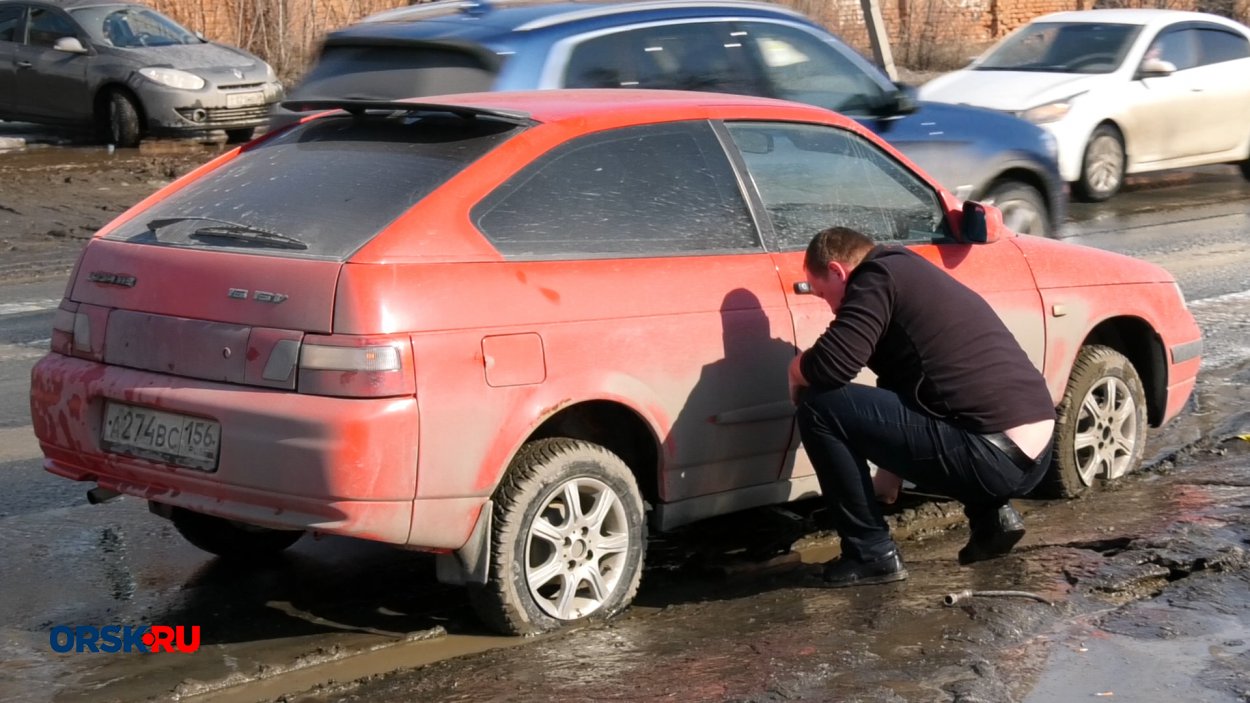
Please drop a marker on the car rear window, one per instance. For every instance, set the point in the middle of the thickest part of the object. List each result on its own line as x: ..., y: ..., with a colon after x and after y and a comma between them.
x: 390, y: 72
x: 321, y: 190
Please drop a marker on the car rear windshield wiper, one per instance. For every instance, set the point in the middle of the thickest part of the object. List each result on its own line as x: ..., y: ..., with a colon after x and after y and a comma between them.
x: 225, y: 229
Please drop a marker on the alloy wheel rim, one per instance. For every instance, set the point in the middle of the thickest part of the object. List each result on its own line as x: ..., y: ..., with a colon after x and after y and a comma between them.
x: 1104, y: 164
x: 576, y: 548
x: 1106, y: 431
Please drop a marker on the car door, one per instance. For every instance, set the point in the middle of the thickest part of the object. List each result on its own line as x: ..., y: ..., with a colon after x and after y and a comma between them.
x: 1223, y: 70
x: 811, y: 177
x: 10, y: 36
x: 51, y: 84
x: 695, y: 328
x: 1167, y: 112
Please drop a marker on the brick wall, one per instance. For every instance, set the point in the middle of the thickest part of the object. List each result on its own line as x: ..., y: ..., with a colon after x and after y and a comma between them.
x: 924, y: 34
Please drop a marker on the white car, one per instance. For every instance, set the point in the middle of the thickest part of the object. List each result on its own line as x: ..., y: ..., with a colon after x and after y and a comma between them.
x: 1123, y: 91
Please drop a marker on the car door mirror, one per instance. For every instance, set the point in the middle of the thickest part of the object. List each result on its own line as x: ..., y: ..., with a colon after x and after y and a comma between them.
x: 1156, y: 68
x: 200, y: 35
x: 70, y: 45
x: 905, y: 99
x: 980, y: 224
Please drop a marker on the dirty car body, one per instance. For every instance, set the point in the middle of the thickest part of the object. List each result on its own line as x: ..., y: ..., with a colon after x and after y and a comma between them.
x: 78, y: 63
x: 724, y: 46
x: 519, y: 329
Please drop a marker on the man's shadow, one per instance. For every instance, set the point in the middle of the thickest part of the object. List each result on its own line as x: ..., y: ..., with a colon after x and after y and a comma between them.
x: 733, y: 433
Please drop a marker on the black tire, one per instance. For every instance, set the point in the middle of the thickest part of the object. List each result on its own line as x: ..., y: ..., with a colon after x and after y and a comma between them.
x: 238, y: 136
x: 122, y: 121
x: 1101, y: 429
x: 1102, y: 166
x: 229, y: 539
x: 1024, y: 208
x: 1245, y: 169
x: 519, y: 597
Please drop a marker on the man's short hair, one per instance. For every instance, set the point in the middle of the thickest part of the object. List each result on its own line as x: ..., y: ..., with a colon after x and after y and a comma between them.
x: 841, y: 244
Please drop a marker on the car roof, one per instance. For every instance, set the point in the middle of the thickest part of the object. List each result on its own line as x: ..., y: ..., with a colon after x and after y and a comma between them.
x: 75, y: 4
x: 1138, y: 16
x: 481, y: 21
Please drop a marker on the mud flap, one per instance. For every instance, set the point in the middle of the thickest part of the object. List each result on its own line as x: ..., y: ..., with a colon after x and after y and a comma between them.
x: 470, y: 563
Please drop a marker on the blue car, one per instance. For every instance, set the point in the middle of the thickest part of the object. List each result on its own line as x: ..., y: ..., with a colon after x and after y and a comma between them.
x: 721, y: 46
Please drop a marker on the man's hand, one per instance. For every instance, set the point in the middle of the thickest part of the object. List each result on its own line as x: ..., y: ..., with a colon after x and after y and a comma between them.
x: 886, y: 486
x: 797, y: 382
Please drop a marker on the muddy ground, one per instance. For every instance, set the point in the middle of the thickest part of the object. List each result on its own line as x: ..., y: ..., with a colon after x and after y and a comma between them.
x: 53, y: 198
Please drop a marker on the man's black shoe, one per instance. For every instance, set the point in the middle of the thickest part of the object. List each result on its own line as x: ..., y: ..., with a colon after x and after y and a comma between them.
x: 845, y: 571
x: 993, y: 537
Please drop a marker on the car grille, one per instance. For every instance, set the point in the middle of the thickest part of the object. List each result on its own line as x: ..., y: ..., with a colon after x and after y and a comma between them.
x: 227, y: 117
x: 242, y: 86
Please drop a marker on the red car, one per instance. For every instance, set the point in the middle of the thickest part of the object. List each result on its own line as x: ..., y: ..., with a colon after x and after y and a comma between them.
x: 517, y: 329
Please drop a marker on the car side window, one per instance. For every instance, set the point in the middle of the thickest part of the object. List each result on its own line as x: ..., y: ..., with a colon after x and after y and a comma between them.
x: 1177, y: 47
x: 10, y: 22
x: 655, y: 190
x: 1218, y: 46
x: 813, y: 177
x: 802, y: 67
x: 702, y: 56
x: 46, y: 26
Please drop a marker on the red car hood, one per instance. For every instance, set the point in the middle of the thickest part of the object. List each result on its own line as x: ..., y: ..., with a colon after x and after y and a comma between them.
x: 1061, y: 265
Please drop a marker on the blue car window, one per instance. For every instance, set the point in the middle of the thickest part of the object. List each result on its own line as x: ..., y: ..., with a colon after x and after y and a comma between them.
x: 802, y: 67
x: 639, y: 191
x: 812, y: 177
x: 703, y: 56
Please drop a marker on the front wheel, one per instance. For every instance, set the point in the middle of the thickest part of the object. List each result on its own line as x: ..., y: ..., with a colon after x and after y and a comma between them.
x: 1023, y: 207
x: 1101, y: 429
x: 123, y: 125
x: 1245, y: 169
x: 567, y: 541
x: 1102, y: 170
x: 229, y: 539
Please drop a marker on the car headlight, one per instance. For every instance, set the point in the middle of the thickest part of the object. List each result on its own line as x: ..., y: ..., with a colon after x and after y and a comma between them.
x: 1050, y: 112
x: 173, y: 78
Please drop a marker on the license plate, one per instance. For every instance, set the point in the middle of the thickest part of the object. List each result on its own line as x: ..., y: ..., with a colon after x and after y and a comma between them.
x: 176, y: 439
x: 245, y: 99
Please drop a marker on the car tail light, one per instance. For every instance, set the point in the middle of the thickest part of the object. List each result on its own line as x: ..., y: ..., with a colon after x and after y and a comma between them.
x: 356, y: 366
x: 78, y: 330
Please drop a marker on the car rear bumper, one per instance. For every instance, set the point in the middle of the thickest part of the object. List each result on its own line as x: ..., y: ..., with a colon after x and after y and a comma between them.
x: 334, y: 465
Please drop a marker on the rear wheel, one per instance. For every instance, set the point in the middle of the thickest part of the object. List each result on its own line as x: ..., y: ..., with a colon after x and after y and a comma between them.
x: 1102, y: 170
x: 229, y: 539
x: 567, y: 540
x: 123, y: 128
x: 1101, y: 432
x: 1023, y: 207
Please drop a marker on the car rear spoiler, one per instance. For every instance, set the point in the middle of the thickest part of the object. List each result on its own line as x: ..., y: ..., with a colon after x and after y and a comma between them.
x: 359, y: 107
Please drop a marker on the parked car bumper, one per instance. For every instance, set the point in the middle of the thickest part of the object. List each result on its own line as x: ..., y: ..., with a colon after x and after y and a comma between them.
x: 333, y: 465
x: 169, y: 110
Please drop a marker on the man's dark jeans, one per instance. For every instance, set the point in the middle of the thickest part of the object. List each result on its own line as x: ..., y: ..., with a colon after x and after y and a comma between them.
x: 844, y: 429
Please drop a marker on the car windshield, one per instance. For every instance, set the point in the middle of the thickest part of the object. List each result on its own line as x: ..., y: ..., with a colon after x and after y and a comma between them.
x: 1058, y: 47
x: 322, y: 189
x: 127, y: 26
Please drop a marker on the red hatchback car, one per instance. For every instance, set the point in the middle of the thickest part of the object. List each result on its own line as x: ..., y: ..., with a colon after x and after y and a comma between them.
x: 517, y: 329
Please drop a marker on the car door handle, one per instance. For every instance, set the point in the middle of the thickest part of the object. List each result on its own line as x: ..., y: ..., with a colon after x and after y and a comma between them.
x: 802, y: 288
x: 24, y: 64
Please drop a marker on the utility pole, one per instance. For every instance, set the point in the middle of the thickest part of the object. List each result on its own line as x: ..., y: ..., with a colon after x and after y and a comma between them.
x: 878, y: 37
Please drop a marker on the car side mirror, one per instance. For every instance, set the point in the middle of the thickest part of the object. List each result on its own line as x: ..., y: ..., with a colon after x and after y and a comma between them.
x: 1155, y: 68
x: 981, y: 223
x: 906, y: 99
x: 200, y: 35
x: 70, y: 45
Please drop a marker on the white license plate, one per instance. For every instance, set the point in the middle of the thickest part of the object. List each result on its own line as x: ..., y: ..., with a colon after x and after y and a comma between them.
x: 245, y: 99
x: 167, y: 437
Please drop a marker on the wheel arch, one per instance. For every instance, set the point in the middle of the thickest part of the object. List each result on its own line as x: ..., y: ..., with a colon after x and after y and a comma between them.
x: 1137, y: 340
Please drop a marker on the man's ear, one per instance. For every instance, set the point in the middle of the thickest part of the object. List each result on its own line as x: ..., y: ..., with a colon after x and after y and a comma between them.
x: 838, y: 271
